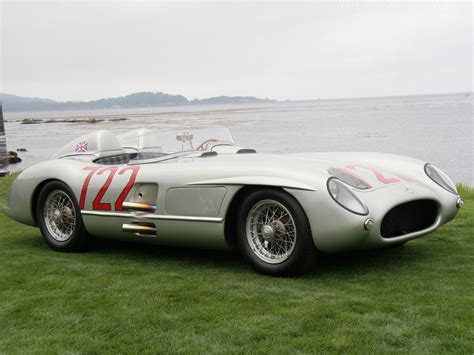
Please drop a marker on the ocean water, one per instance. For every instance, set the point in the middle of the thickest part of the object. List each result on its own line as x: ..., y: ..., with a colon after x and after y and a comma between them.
x: 434, y: 128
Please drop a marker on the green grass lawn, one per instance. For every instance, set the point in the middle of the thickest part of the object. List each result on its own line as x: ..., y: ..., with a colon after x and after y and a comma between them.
x: 125, y: 297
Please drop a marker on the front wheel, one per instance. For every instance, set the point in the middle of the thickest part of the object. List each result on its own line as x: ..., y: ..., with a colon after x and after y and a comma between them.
x: 274, y: 235
x: 59, y: 218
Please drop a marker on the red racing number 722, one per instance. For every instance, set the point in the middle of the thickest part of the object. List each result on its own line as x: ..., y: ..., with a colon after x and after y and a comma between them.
x: 97, y: 203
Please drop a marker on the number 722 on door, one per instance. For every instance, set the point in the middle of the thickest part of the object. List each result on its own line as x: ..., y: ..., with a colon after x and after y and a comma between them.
x: 113, y: 173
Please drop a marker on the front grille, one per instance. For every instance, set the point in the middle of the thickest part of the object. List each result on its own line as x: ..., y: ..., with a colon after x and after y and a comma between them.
x: 408, y: 218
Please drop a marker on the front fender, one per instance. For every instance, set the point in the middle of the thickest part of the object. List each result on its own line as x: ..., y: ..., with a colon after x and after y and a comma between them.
x: 257, y: 181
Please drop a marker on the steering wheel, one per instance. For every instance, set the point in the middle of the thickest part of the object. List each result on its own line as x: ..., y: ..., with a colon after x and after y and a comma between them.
x: 201, y: 146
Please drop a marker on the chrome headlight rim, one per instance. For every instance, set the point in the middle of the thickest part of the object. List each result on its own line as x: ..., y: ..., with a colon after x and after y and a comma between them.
x: 348, y: 178
x: 444, y: 180
x: 348, y: 188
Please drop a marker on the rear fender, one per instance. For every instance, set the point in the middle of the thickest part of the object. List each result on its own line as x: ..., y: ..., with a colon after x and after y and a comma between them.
x: 21, y: 204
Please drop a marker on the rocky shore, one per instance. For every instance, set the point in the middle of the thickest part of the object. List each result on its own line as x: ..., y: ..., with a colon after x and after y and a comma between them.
x: 91, y: 120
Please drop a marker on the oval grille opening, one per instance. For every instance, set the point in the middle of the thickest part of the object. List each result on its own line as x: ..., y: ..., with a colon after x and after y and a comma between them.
x: 409, y: 217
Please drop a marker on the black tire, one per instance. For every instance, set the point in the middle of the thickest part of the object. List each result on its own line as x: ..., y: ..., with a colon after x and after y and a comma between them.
x: 304, y: 254
x: 79, y: 240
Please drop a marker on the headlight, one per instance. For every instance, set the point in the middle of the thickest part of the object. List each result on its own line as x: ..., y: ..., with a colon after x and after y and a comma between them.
x: 440, y: 178
x: 348, y: 178
x: 343, y: 195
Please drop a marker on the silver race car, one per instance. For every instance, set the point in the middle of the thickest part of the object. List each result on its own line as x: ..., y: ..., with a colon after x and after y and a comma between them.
x: 197, y: 188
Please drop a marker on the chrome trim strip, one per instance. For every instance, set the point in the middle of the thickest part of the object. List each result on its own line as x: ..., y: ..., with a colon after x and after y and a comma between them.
x: 107, y: 214
x: 153, y: 216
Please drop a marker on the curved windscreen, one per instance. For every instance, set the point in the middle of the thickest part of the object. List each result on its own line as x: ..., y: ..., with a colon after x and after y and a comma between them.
x: 150, y: 144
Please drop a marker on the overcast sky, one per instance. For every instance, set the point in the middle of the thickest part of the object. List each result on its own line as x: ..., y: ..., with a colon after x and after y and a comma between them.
x: 84, y: 51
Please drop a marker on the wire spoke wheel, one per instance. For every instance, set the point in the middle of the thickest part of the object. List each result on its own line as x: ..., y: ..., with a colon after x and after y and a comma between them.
x: 59, y: 215
x: 271, y: 231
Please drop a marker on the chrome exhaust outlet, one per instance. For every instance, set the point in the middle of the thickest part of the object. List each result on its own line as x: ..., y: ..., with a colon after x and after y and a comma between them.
x: 147, y: 229
x: 139, y: 207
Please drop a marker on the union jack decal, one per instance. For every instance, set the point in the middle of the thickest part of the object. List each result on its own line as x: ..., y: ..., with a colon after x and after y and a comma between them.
x: 81, y: 147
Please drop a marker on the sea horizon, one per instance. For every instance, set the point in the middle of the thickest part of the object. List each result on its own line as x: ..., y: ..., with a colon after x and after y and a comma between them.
x: 433, y: 128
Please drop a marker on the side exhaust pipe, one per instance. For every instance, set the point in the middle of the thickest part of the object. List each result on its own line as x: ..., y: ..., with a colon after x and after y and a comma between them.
x: 139, y: 207
x: 147, y: 229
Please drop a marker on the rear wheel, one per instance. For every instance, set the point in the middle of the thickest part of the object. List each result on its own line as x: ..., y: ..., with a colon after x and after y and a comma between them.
x: 274, y: 234
x: 59, y: 219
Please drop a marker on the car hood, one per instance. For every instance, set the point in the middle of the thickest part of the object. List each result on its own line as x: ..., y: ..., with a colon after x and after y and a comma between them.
x: 305, y: 170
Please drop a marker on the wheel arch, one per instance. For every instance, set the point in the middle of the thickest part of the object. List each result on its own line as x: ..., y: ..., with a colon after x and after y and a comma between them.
x: 35, y: 196
x: 230, y: 220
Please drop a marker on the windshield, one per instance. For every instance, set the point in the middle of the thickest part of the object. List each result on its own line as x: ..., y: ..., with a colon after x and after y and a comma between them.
x: 154, y: 144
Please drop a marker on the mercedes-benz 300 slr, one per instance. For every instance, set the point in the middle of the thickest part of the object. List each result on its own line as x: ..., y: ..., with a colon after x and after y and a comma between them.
x: 199, y: 189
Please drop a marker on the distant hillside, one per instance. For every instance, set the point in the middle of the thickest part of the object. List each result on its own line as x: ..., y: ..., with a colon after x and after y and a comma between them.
x: 229, y: 100
x: 136, y: 100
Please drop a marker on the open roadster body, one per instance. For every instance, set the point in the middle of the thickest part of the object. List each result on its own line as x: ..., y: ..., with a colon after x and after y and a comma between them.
x: 199, y: 189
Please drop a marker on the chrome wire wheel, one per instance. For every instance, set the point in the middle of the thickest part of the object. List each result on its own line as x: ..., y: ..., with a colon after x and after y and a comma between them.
x: 271, y: 231
x: 59, y: 215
